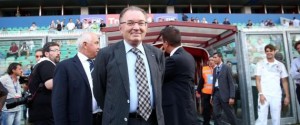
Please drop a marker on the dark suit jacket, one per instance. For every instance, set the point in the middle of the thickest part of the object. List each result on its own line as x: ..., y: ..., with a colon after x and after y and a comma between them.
x: 71, y: 94
x: 178, y: 89
x: 111, y: 83
x: 226, y: 83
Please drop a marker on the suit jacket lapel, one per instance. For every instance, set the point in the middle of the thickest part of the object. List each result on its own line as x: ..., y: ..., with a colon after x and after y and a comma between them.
x: 122, y: 64
x: 152, y: 64
x: 80, y: 69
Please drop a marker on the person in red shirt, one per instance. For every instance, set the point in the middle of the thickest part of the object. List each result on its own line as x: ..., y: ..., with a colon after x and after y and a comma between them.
x: 13, y: 50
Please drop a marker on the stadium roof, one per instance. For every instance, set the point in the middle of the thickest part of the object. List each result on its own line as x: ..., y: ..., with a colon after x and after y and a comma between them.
x: 47, y: 3
x: 195, y: 36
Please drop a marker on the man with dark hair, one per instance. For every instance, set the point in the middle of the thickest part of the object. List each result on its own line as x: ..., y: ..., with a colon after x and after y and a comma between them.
x: 13, y: 50
x: 269, y: 73
x: 178, y: 86
x: 295, y: 70
x: 11, y: 82
x: 205, y: 89
x: 223, y: 94
x: 74, y: 75
x: 38, y: 54
x: 40, y: 111
x: 128, y: 75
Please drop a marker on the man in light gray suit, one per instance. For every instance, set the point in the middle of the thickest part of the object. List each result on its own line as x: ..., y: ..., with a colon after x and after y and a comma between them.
x: 223, y: 91
x: 128, y: 75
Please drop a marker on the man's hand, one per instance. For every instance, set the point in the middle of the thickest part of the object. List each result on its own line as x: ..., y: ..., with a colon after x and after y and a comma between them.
x: 286, y: 101
x: 262, y: 99
x: 211, y: 101
x: 231, y: 101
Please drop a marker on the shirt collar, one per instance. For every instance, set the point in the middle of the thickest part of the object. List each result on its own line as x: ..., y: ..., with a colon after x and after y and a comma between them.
x: 82, y: 57
x: 45, y: 58
x: 129, y: 47
x: 266, y: 62
x: 219, y: 65
x: 174, y: 50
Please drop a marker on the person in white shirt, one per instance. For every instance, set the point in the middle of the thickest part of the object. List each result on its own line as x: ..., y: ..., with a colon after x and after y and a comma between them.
x: 269, y: 74
x: 33, y: 27
x: 70, y: 25
x: 296, y: 22
x: 12, y: 115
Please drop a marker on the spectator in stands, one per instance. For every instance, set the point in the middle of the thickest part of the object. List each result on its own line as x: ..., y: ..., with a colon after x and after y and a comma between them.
x: 70, y: 25
x: 184, y: 17
x: 102, y: 24
x: 78, y: 24
x: 52, y: 26
x: 296, y: 22
x: 33, y: 27
x: 13, y: 50
x: 24, y: 49
x: 85, y: 24
x: 226, y: 21
x: 94, y: 25
x: 285, y: 24
x: 18, y: 13
x: 215, y: 21
x: 270, y: 23
x: 203, y: 20
x: 11, y: 82
x: 58, y: 26
x: 40, y: 111
x: 262, y: 23
x: 249, y: 24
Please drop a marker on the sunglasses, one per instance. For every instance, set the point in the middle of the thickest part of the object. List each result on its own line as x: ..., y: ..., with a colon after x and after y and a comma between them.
x: 38, y: 56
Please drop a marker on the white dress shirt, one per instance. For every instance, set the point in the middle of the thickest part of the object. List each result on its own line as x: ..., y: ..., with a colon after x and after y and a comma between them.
x: 131, y: 59
x: 86, y: 66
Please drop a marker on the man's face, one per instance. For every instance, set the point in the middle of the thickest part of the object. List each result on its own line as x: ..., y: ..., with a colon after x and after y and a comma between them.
x: 217, y: 59
x: 270, y: 53
x: 92, y: 47
x: 211, y: 62
x: 18, y: 71
x: 38, y: 55
x: 133, y: 27
x: 53, y: 54
x: 298, y: 48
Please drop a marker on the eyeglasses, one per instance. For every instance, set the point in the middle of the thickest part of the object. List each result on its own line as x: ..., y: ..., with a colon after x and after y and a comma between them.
x: 37, y: 56
x: 55, y: 50
x: 132, y: 23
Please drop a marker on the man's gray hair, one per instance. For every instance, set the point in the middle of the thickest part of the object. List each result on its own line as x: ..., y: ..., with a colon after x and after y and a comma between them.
x: 84, y: 37
x: 132, y: 8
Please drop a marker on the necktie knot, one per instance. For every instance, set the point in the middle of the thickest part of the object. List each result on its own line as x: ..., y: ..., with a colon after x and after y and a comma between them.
x: 91, y: 62
x: 136, y: 51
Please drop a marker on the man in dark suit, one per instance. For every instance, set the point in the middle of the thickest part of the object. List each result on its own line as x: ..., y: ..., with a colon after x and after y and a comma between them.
x: 223, y: 91
x: 178, y: 87
x: 128, y: 75
x: 73, y: 102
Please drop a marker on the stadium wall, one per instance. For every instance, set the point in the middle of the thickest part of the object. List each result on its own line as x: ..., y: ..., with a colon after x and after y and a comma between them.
x: 112, y: 19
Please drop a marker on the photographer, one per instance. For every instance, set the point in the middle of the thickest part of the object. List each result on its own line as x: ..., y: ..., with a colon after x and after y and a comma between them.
x: 11, y: 82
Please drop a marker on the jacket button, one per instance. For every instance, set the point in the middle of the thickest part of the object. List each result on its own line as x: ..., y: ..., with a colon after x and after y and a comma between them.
x: 125, y: 119
x: 128, y: 101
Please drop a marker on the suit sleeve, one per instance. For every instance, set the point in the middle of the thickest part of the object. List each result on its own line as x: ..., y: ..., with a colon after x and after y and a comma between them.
x: 230, y: 82
x: 170, y: 68
x: 99, y: 78
x: 59, y: 95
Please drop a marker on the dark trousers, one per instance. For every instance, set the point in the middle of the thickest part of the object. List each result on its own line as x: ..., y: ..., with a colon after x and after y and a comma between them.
x: 44, y: 122
x: 135, y: 119
x: 298, y: 92
x: 97, y: 118
x: 207, y: 108
x: 218, y: 106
